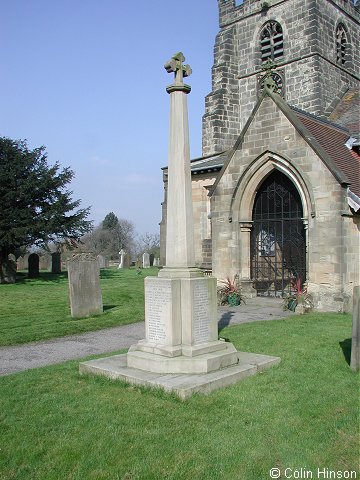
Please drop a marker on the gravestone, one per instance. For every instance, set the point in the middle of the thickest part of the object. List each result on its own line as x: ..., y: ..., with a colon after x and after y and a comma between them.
x: 33, y: 265
x: 8, y: 270
x: 103, y: 261
x: 56, y: 262
x: 84, y: 285
x: 146, y: 260
x: 181, y: 351
x: 44, y: 262
x: 152, y: 258
x: 122, y: 254
x: 22, y: 262
x: 355, y: 343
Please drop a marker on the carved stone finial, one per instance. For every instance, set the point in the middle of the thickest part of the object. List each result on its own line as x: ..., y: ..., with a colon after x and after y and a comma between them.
x: 176, y: 66
x: 269, y: 66
x: 268, y: 81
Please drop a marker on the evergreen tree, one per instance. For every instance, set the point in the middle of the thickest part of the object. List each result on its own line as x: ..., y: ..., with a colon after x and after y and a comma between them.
x: 36, y: 207
x: 110, y: 222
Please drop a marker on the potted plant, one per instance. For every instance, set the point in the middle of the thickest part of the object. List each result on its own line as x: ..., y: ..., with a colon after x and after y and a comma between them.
x: 299, y: 299
x: 229, y: 292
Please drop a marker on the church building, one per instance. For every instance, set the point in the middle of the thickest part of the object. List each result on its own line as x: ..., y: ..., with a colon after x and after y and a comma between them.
x: 276, y: 194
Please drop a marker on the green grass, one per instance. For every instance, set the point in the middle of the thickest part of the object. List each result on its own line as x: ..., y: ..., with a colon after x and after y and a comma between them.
x: 301, y: 414
x: 36, y: 309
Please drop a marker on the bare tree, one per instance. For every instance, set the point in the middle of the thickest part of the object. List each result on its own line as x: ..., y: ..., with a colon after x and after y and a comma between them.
x: 148, y: 242
x: 109, y: 238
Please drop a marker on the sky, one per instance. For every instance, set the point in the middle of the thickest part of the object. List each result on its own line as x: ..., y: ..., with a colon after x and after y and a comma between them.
x: 86, y: 79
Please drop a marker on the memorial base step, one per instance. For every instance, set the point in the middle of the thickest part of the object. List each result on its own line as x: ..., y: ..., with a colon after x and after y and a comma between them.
x: 182, y: 384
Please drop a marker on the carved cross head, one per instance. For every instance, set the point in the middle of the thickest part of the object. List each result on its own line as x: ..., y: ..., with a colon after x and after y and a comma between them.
x: 176, y: 66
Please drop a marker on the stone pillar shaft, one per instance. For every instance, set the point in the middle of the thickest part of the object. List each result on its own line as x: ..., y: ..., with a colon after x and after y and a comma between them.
x: 180, y: 230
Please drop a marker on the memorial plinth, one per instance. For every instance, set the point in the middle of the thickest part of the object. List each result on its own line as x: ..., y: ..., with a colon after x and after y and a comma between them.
x: 181, y: 328
x: 181, y: 351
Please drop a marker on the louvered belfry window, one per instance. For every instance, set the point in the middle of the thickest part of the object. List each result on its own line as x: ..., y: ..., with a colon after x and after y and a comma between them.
x: 341, y: 44
x: 271, y: 41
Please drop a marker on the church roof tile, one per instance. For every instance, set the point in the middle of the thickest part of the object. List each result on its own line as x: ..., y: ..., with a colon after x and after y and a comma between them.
x: 333, y: 139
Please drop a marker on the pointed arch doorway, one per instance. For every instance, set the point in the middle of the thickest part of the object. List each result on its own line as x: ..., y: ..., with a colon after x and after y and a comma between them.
x: 278, y: 240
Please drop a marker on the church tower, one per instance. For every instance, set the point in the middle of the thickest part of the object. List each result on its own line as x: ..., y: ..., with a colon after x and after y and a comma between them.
x: 314, y: 44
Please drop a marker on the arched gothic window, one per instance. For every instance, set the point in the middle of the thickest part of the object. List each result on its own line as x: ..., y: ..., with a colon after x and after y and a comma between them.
x: 342, y: 45
x: 271, y: 41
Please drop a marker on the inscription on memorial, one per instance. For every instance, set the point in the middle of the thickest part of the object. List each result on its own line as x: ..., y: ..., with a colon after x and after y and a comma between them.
x: 201, y: 312
x: 158, y: 308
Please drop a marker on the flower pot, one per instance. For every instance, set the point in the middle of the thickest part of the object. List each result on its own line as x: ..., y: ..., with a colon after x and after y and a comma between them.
x: 233, y: 299
x: 292, y: 304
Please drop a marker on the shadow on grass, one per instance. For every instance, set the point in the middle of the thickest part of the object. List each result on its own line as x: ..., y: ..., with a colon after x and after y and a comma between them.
x: 346, y: 348
x: 109, y: 307
x: 224, y: 320
x: 22, y: 277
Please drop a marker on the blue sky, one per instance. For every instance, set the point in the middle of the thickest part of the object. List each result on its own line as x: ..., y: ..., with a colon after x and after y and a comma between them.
x: 86, y: 79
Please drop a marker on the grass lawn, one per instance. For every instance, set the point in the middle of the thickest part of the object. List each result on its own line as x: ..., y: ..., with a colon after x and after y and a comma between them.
x: 302, y: 414
x: 36, y: 309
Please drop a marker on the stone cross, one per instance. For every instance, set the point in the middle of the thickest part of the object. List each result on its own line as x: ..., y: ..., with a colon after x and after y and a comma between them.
x: 181, y: 350
x: 122, y: 256
x: 179, y: 229
x: 175, y: 65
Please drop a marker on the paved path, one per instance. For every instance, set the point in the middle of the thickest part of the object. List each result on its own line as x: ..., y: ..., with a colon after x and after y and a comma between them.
x: 38, y: 354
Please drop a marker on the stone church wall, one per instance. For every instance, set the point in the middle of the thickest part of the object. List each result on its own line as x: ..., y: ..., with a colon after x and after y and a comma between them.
x: 312, y: 82
x: 272, y: 132
x: 202, y: 224
x: 201, y: 212
x: 312, y: 79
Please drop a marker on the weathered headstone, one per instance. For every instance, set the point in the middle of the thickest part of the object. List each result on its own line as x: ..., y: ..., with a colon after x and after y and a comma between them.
x: 146, y: 260
x: 152, y: 258
x: 84, y: 285
x: 122, y: 254
x: 56, y: 262
x: 103, y: 261
x: 22, y: 262
x: 8, y: 270
x: 45, y: 262
x: 355, y: 343
x: 33, y: 265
